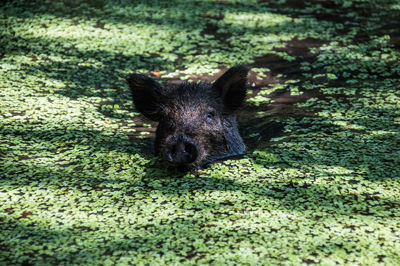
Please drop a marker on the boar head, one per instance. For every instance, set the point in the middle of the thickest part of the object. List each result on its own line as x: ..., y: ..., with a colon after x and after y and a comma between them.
x: 197, y: 121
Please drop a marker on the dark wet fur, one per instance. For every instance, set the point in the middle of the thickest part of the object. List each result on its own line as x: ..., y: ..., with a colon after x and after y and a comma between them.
x: 197, y: 121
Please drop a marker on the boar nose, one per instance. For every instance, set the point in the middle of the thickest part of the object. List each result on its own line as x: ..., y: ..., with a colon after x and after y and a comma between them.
x: 183, y: 151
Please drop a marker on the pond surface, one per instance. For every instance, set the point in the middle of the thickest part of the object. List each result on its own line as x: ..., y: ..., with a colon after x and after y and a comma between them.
x: 320, y: 182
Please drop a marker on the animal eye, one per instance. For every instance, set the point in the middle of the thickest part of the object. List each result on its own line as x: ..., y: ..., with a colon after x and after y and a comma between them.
x: 210, y: 115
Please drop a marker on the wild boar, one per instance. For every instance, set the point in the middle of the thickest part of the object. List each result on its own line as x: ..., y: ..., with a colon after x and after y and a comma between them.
x: 196, y: 121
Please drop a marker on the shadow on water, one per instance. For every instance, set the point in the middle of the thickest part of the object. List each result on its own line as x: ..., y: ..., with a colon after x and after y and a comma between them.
x: 94, y: 81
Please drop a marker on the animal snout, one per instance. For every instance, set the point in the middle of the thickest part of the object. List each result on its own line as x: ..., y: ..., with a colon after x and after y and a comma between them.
x: 182, y: 151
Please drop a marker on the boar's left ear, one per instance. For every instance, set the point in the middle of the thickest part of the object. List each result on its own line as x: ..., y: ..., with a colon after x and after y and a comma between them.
x: 147, y: 95
x: 231, y: 86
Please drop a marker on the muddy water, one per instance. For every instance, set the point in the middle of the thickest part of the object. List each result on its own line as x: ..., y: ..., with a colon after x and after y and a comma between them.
x: 283, y: 103
x: 265, y: 128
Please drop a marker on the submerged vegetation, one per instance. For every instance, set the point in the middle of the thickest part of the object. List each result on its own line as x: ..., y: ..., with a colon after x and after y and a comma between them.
x: 320, y: 182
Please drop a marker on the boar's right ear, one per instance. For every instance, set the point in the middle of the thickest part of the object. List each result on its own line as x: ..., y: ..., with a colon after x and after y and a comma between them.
x: 147, y: 95
x: 231, y: 86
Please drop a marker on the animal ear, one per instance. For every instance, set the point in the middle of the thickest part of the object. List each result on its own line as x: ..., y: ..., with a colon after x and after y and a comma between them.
x: 231, y: 86
x: 147, y: 95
